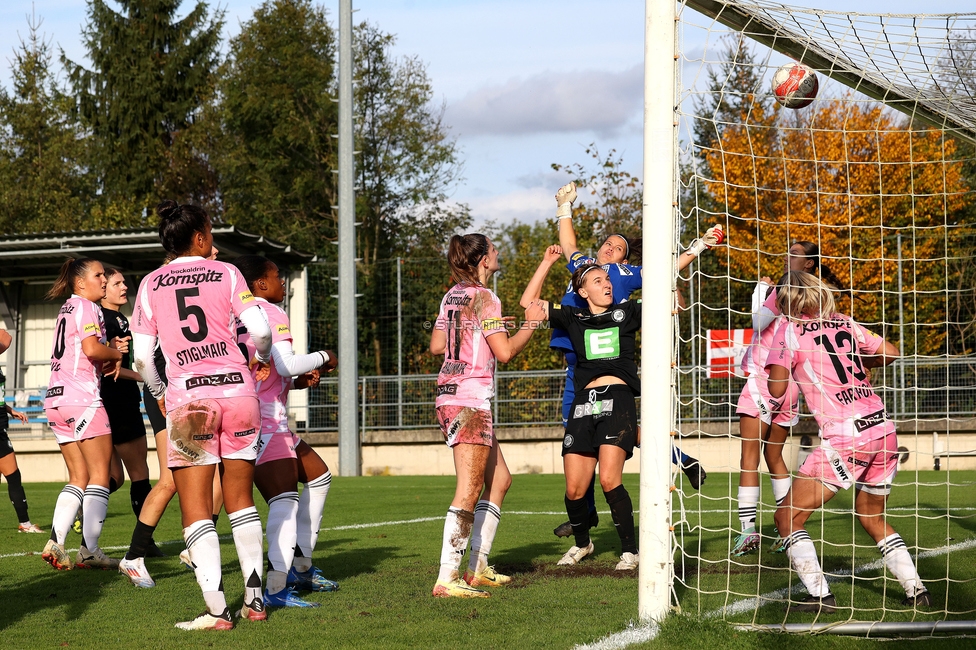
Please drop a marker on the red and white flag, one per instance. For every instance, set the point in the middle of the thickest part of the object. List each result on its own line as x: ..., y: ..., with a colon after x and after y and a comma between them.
x: 725, y: 351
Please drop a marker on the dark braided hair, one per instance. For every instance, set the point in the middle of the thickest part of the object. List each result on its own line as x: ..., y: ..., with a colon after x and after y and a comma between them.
x: 812, y: 252
x: 252, y: 268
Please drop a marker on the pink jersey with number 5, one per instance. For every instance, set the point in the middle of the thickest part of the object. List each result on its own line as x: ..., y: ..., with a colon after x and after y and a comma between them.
x: 825, y: 358
x: 468, y: 316
x: 74, y: 378
x: 273, y: 391
x: 190, y: 305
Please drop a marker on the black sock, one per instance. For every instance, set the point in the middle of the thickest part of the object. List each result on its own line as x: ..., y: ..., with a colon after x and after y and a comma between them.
x: 113, y: 485
x: 141, y: 537
x: 622, y: 511
x: 17, y: 496
x: 579, y: 518
x: 215, y: 518
x: 138, y: 491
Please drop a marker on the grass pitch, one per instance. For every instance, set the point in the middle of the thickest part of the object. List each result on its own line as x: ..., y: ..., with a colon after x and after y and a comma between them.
x: 381, y: 541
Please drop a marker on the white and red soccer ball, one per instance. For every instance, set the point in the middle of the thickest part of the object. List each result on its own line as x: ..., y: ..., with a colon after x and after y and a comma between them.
x: 795, y: 85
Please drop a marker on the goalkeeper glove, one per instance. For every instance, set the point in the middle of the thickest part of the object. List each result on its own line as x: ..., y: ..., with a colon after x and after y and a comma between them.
x: 712, y: 237
x: 564, y: 201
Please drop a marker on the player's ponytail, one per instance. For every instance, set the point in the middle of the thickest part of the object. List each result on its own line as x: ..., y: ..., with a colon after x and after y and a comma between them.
x: 71, y: 271
x: 464, y: 253
x: 252, y: 268
x: 812, y: 252
x: 801, y: 294
x: 178, y: 224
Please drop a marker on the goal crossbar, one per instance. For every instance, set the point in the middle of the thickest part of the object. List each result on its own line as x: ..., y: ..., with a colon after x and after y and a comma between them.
x: 932, y: 109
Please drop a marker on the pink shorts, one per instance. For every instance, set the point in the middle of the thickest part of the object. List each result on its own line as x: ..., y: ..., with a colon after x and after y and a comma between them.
x: 756, y: 402
x: 277, y: 446
x: 207, y: 430
x: 870, y: 465
x: 466, y: 425
x: 74, y: 423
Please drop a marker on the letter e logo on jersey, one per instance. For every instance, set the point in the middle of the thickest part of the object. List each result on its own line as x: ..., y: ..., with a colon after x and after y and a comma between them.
x: 602, y: 344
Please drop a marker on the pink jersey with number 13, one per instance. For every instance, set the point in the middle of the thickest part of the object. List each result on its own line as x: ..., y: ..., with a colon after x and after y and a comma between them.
x: 825, y: 358
x: 191, y: 304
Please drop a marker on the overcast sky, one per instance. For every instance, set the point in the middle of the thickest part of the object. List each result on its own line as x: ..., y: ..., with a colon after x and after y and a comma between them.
x: 526, y: 82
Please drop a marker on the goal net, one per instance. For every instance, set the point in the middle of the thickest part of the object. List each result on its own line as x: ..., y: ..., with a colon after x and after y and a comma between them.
x: 879, y: 172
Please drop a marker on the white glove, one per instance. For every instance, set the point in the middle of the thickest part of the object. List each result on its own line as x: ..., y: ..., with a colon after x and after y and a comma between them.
x: 564, y: 201
x: 712, y: 237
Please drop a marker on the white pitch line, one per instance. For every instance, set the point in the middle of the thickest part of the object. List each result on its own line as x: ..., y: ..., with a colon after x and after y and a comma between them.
x: 642, y: 633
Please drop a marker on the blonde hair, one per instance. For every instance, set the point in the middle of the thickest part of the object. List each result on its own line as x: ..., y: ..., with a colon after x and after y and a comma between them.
x: 801, y: 294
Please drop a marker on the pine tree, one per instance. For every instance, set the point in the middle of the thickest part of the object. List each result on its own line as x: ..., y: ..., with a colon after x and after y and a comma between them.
x: 277, y: 151
x: 150, y: 73
x: 44, y: 184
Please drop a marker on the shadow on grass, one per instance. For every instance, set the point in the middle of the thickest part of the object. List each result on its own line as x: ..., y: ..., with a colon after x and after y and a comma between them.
x: 339, y: 563
x: 71, y: 590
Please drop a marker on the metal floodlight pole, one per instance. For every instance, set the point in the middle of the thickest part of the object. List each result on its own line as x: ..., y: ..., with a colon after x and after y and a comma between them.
x: 350, y: 461
x: 657, y: 410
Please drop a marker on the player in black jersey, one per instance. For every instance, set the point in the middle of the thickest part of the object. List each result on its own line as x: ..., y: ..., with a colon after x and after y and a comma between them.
x: 8, y: 459
x: 603, y: 419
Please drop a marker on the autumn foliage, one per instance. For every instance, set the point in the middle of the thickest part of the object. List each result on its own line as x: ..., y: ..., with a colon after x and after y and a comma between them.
x: 850, y: 176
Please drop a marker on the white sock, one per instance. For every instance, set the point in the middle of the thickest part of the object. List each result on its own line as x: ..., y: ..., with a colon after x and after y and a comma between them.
x: 486, y: 518
x: 457, y: 532
x: 748, y: 499
x: 245, y: 524
x: 203, y: 546
x: 282, y: 533
x: 94, y: 508
x: 65, y: 510
x: 781, y: 486
x: 310, y: 507
x: 803, y: 557
x: 899, y: 562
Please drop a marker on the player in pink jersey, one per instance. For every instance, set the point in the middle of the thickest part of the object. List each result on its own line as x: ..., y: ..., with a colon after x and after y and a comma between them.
x: 828, y: 356
x: 133, y: 565
x: 470, y: 332
x: 212, y: 413
x: 284, y: 459
x: 75, y: 413
x: 764, y: 422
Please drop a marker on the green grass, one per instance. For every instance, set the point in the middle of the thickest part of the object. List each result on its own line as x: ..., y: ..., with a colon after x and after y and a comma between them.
x: 387, y: 572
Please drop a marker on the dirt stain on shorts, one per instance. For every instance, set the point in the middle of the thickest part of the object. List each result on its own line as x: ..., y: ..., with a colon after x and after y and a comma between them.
x: 190, y: 425
x: 470, y: 424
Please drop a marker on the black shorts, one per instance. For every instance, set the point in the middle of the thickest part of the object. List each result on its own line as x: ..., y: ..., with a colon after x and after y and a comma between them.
x: 6, y: 447
x: 156, y: 417
x: 125, y: 419
x: 606, y: 415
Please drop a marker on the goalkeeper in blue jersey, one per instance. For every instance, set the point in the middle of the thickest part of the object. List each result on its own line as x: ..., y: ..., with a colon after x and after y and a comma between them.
x: 625, y: 278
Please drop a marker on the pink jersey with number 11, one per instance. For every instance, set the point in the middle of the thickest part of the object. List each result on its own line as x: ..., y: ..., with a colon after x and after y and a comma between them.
x: 191, y: 304
x: 825, y: 358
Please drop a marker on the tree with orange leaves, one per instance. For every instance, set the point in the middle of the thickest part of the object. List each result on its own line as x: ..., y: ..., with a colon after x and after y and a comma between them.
x: 850, y: 176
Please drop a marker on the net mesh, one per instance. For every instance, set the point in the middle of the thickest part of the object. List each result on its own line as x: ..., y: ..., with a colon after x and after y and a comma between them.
x: 879, y: 173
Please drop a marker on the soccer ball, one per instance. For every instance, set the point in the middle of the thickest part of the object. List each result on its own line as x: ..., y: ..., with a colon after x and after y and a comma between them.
x: 795, y: 85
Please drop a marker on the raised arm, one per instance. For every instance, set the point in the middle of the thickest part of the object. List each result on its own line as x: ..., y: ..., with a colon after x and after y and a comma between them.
x: 564, y: 219
x: 505, y: 347
x: 712, y: 237
x: 534, y: 289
